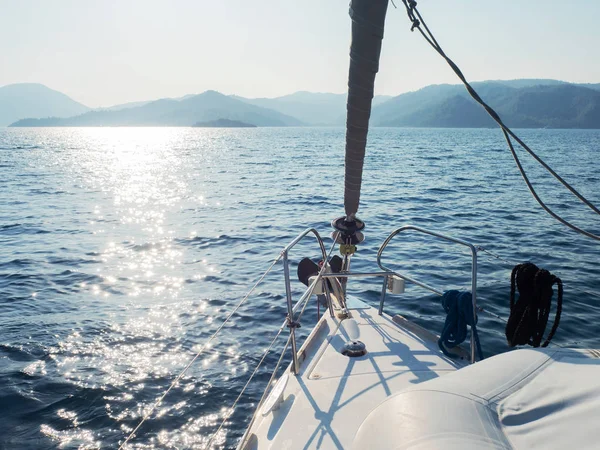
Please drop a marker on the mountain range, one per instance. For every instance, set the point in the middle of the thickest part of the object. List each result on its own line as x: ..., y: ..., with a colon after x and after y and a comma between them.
x: 18, y: 101
x: 205, y: 107
x: 520, y: 104
x: 312, y: 108
x: 525, y: 103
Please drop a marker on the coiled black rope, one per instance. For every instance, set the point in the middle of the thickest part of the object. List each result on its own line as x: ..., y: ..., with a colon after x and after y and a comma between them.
x: 419, y: 24
x: 529, y: 315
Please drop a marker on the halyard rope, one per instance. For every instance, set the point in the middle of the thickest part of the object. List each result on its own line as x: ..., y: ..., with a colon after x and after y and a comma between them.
x: 417, y: 22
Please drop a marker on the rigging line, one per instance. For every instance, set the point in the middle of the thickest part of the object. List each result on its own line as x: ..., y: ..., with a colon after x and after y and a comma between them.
x: 206, y: 345
x: 227, y: 414
x: 502, y: 319
x: 490, y: 111
x: 417, y: 21
x: 483, y: 310
x: 281, y: 328
x: 335, y: 238
x: 539, y: 200
x: 512, y: 264
x: 585, y: 305
x: 262, y: 398
x: 494, y: 255
x: 585, y: 291
x: 480, y: 309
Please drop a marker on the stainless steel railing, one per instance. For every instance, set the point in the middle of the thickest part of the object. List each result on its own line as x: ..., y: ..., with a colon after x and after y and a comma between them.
x: 386, y: 273
x: 426, y: 286
x: 292, y: 324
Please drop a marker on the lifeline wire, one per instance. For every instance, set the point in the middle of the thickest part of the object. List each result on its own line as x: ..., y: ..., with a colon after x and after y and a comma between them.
x: 511, y: 264
x: 514, y: 263
x: 281, y: 328
x: 260, y: 403
x: 207, y: 344
x: 264, y: 355
x: 417, y: 21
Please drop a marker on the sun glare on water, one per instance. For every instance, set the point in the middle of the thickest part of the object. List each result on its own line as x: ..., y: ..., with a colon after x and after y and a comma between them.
x: 134, y: 177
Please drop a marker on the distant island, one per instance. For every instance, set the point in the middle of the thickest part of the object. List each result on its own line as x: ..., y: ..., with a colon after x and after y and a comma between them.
x: 526, y: 103
x: 224, y: 123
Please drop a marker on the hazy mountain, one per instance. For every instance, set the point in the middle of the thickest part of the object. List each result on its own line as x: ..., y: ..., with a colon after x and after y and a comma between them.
x: 528, y: 82
x: 141, y: 103
x: 210, y: 105
x: 35, y: 100
x: 531, y: 82
x: 121, y: 106
x: 520, y: 103
x: 562, y: 106
x: 223, y: 123
x: 594, y: 86
x: 313, y: 108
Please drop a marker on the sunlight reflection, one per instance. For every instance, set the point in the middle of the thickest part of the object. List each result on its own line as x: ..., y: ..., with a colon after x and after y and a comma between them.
x: 144, y: 287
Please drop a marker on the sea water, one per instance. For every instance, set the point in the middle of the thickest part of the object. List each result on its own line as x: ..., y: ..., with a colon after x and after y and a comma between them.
x: 123, y: 249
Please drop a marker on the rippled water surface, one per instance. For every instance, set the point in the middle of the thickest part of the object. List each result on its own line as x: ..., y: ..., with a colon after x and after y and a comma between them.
x: 122, y: 250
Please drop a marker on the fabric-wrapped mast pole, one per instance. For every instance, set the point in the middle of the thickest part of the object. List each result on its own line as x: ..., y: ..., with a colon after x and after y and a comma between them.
x: 368, y: 19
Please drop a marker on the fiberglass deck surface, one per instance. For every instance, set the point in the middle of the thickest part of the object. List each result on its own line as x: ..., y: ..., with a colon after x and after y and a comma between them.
x: 325, y: 404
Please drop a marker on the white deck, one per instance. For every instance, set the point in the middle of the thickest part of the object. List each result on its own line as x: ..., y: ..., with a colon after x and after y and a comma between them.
x: 325, y: 404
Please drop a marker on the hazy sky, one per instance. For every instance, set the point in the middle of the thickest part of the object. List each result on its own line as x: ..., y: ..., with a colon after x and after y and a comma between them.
x: 105, y: 52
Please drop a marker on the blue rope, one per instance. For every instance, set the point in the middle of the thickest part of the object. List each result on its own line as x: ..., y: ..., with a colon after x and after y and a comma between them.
x: 459, y: 313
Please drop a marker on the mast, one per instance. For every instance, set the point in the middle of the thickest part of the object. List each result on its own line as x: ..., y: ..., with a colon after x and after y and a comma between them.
x: 368, y: 19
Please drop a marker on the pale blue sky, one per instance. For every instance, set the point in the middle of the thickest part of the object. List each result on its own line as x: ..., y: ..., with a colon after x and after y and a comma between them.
x: 105, y: 52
